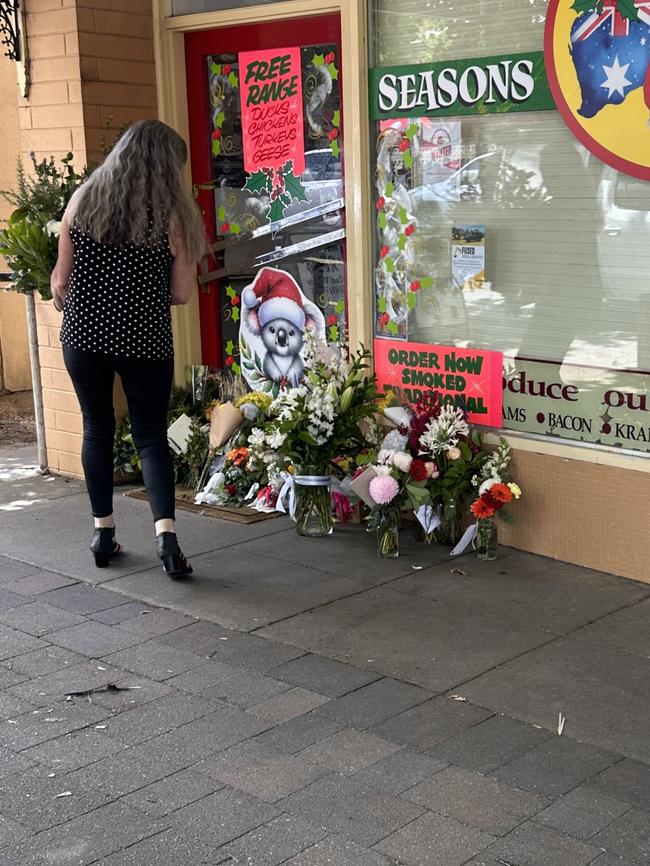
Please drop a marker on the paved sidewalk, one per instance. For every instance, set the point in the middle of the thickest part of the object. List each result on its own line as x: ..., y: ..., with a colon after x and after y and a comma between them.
x: 300, y: 702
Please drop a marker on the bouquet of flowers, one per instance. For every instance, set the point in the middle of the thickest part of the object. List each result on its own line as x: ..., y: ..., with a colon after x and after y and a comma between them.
x: 495, y: 490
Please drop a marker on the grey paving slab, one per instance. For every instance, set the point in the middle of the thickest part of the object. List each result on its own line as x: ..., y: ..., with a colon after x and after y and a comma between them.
x: 12, y: 569
x: 374, y: 703
x: 81, y: 598
x: 251, y: 651
x: 273, y: 843
x: 429, y: 723
x: 222, y: 728
x: 587, y: 682
x: 628, y: 629
x: 31, y: 799
x: 476, y: 800
x: 11, y: 706
x: 349, y: 551
x: 85, y: 838
x: 323, y: 675
x: 13, y: 762
x: 38, y: 726
x: 611, y: 860
x: 524, y: 588
x: 74, y: 750
x: 432, y: 644
x: 532, y: 845
x: 173, y: 792
x: 627, y: 836
x: 336, y: 850
x: 488, y: 745
x: 38, y: 618
x: 351, y: 809
x: 123, y: 612
x: 153, y: 659
x: 399, y: 771
x: 177, y: 846
x: 224, y: 815
x: 299, y: 733
x: 135, y: 691
x: 44, y: 661
x: 9, y: 676
x: 349, y: 751
x: 200, y: 638
x: 434, y: 840
x: 555, y: 767
x: 155, y: 622
x: 54, y: 686
x: 627, y: 780
x: 11, y: 831
x: 11, y: 600
x: 582, y: 813
x: 287, y: 705
x: 238, y: 589
x: 204, y: 680
x: 14, y: 643
x: 93, y: 639
x: 246, y: 688
x: 38, y: 582
x: 157, y: 717
x: 265, y: 773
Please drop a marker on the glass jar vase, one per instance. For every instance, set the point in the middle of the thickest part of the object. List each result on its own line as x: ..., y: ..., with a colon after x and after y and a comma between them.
x: 313, y: 505
x: 486, y: 539
x: 449, y: 531
x: 387, y: 529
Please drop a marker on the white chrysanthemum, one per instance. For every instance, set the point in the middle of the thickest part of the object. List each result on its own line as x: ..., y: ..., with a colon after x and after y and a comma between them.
x: 385, y: 456
x: 402, y: 461
x: 442, y: 433
x: 394, y: 441
x: 487, y: 484
x: 383, y: 470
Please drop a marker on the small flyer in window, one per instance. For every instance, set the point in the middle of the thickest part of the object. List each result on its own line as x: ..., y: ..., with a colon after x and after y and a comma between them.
x: 441, y: 160
x: 468, y: 256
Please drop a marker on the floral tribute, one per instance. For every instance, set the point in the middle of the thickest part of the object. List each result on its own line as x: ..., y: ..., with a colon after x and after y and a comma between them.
x: 495, y: 489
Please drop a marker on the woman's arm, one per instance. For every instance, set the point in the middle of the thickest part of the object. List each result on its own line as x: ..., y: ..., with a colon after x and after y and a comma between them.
x: 183, y: 276
x: 63, y: 268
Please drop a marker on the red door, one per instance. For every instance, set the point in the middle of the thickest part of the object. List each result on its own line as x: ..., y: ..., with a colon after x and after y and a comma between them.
x: 268, y: 218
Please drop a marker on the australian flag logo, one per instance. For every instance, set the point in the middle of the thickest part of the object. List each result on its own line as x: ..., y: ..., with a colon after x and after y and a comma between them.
x: 610, y: 48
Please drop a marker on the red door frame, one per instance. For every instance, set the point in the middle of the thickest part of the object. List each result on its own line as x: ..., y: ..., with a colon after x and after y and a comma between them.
x: 267, y: 34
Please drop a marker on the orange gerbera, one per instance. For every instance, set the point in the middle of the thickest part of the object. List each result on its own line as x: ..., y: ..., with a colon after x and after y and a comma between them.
x: 501, y: 492
x: 481, y: 510
x: 238, y: 456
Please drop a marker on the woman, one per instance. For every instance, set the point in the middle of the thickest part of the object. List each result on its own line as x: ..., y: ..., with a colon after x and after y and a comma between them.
x: 129, y: 243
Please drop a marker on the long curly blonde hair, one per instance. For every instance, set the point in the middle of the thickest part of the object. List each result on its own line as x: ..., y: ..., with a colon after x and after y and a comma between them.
x: 137, y: 195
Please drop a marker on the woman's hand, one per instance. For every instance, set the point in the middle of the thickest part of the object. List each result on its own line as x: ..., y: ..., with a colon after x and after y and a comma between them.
x: 63, y: 268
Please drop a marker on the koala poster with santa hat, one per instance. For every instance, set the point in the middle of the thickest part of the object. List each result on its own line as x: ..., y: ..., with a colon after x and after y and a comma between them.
x: 275, y: 316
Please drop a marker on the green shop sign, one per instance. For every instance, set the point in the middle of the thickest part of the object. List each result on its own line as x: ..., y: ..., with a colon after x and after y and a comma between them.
x: 487, y: 85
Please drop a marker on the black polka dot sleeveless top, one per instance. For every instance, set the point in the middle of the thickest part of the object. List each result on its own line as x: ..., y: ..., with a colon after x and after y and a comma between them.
x: 119, y: 299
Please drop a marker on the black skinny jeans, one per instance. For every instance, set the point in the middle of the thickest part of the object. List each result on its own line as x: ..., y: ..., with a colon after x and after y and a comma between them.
x: 147, y: 385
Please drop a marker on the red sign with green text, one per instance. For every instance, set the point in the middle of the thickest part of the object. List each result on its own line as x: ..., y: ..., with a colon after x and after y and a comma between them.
x: 271, y: 109
x: 470, y: 379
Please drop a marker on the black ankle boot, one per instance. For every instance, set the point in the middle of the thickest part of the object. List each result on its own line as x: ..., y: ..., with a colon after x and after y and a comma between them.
x: 173, y: 561
x: 103, y: 546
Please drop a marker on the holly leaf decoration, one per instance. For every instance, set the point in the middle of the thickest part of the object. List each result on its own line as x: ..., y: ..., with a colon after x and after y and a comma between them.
x: 278, y: 207
x: 216, y: 147
x: 230, y: 348
x: 234, y: 314
x: 408, y: 159
x: 236, y: 368
x: 333, y: 334
x: 401, y: 243
x: 220, y: 119
x: 235, y: 228
x: 426, y: 282
x: 381, y: 305
x: 580, y: 6
x: 393, y: 329
x: 221, y: 214
x: 390, y: 264
x: 411, y: 131
x: 334, y: 73
x: 628, y: 10
x: 294, y: 188
x: 411, y: 300
x: 336, y: 118
x: 381, y: 219
x: 216, y: 69
x: 339, y: 307
x: 318, y: 60
x: 231, y: 294
x: 336, y: 150
x: 234, y: 81
x: 403, y: 216
x: 390, y: 189
x: 258, y: 183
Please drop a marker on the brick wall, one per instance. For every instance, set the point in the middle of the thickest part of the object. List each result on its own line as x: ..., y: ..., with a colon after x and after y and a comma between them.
x: 92, y: 67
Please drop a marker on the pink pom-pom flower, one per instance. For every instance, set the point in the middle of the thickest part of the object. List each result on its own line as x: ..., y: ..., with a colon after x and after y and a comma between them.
x: 383, y: 489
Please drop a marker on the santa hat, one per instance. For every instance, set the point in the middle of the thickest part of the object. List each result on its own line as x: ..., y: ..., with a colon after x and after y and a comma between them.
x: 277, y: 296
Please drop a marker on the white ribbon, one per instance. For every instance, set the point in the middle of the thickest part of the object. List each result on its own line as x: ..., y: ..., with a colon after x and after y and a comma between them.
x: 287, y: 489
x: 428, y: 518
x: 468, y: 537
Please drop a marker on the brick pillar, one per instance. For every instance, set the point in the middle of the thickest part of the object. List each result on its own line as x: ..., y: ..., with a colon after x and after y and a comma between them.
x: 91, y: 64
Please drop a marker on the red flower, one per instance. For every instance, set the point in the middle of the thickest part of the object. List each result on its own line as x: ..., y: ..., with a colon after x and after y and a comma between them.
x: 216, y: 135
x: 330, y: 58
x: 404, y: 144
x: 230, y: 361
x: 384, y: 319
x: 231, y: 489
x: 418, y: 470
x: 332, y: 320
x: 491, y: 502
x: 381, y: 201
x: 235, y: 300
x: 481, y: 510
x: 408, y: 231
x: 415, y: 286
x: 225, y: 69
x: 225, y: 228
x: 333, y: 133
x: 383, y: 252
x: 501, y: 493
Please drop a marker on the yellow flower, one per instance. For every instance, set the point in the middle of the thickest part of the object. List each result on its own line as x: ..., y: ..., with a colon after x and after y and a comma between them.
x: 257, y: 398
x: 515, y: 489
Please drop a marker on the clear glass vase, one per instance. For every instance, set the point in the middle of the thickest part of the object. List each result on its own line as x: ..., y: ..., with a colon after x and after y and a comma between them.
x: 485, y: 542
x: 449, y: 532
x: 313, y: 514
x: 388, y: 534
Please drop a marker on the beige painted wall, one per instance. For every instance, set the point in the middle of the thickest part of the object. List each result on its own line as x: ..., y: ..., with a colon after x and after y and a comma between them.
x: 14, y: 352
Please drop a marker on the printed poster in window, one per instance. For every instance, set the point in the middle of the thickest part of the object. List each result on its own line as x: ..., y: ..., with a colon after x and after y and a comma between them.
x: 468, y: 256
x: 441, y: 160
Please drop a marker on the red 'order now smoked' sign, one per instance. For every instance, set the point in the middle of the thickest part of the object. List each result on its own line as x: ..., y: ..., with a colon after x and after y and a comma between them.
x: 271, y: 109
x: 419, y: 372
